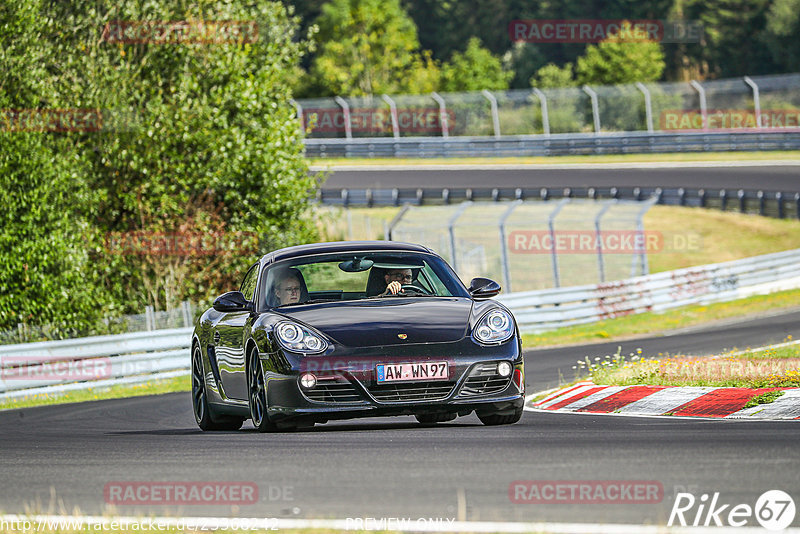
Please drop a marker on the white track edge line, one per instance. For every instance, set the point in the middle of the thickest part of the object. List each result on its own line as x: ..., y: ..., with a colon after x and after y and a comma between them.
x: 216, y: 523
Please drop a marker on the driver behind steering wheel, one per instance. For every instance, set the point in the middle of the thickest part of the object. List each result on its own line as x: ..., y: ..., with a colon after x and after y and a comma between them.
x: 395, y: 278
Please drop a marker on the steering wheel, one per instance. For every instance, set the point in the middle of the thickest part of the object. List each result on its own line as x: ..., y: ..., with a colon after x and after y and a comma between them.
x: 415, y: 288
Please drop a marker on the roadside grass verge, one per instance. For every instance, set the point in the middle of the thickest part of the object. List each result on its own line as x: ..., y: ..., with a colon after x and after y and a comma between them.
x: 156, y: 387
x: 715, y: 236
x: 772, y: 367
x: 650, y: 322
x: 555, y: 160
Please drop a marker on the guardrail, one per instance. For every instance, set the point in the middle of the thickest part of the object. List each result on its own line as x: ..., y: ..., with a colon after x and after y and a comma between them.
x: 780, y: 204
x: 550, y: 145
x: 541, y: 310
x: 57, y: 366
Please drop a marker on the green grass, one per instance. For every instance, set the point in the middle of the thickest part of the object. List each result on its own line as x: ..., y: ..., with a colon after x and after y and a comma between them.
x: 652, y: 323
x: 719, y: 236
x: 156, y: 387
x: 764, y: 398
x: 554, y: 160
x: 750, y: 369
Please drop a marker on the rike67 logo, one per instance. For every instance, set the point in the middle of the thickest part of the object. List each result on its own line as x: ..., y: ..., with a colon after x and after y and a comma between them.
x: 773, y: 510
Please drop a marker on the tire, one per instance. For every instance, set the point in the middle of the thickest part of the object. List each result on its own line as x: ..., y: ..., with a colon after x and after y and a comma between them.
x: 203, y: 415
x: 501, y: 419
x: 433, y: 418
x: 257, y: 395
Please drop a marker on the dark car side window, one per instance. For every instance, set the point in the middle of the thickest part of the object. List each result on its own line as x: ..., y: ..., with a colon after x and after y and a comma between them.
x: 249, y: 283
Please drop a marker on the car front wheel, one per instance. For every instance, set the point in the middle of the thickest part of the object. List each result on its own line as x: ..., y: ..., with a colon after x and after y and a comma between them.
x: 257, y: 394
x: 205, y: 419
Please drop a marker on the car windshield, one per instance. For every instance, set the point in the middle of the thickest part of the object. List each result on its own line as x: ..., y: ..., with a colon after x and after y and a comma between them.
x: 357, y: 276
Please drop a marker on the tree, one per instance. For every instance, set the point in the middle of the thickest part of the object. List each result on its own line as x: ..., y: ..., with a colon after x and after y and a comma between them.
x: 367, y: 47
x: 783, y: 26
x: 617, y: 61
x: 46, y: 276
x: 474, y: 69
x: 734, y: 35
x: 198, y: 139
x: 553, y: 77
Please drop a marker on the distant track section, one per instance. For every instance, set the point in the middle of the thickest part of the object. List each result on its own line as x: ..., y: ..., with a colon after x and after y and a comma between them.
x: 552, y: 145
x: 779, y: 204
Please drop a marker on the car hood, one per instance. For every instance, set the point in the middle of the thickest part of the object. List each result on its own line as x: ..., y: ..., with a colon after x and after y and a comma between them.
x: 374, y: 322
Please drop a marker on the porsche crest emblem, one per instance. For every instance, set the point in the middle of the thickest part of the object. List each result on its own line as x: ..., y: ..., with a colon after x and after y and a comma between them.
x: 402, y: 336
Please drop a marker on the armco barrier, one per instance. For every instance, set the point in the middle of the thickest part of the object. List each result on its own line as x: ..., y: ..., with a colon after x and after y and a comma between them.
x: 49, y: 366
x: 779, y: 204
x: 541, y: 310
x: 145, y: 356
x: 551, y: 145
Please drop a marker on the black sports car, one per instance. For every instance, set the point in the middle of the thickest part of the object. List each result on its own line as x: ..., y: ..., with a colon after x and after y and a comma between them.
x: 355, y: 329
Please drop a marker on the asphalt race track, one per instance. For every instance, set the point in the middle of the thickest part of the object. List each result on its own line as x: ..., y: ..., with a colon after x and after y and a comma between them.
x: 740, y: 176
x: 59, y: 457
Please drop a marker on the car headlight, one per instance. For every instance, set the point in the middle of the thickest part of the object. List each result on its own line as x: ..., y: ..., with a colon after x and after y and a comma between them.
x: 494, y: 327
x: 297, y: 338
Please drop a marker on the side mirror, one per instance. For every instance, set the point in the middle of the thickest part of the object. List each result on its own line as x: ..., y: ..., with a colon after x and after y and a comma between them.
x: 483, y: 288
x: 232, y: 301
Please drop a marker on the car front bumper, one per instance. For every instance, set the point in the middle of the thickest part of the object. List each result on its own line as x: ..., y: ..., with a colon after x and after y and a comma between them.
x: 347, y: 386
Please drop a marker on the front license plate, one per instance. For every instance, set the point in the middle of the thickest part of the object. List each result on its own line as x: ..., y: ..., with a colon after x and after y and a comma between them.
x: 390, y: 372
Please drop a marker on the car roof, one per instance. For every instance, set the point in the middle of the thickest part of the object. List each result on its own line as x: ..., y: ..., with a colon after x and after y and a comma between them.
x: 342, y: 246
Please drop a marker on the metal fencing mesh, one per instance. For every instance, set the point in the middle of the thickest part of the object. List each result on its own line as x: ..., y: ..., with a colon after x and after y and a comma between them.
x: 534, y: 245
x: 728, y: 104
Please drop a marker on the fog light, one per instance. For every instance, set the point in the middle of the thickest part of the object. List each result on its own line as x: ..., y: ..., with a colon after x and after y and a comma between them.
x: 504, y: 368
x: 308, y: 380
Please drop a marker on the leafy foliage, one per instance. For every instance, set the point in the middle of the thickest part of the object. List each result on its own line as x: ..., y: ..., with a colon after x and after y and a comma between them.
x: 615, y: 61
x: 553, y: 76
x: 198, y: 138
x: 367, y: 47
x: 474, y: 69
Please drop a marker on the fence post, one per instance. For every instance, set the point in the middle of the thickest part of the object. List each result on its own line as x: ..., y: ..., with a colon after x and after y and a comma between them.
x: 452, y: 231
x: 149, y: 318
x: 595, y: 107
x: 797, y: 205
x: 553, y: 251
x: 756, y: 99
x: 393, y: 112
x: 187, y: 313
x: 742, y: 201
x: 504, y: 245
x: 645, y: 267
x: 703, y: 105
x: 396, y: 221
x: 545, y: 117
x: 648, y: 105
x: 442, y: 113
x: 495, y: 117
x: 599, y: 238
x: 348, y: 128
x: 723, y: 199
x: 349, y: 219
x: 779, y: 201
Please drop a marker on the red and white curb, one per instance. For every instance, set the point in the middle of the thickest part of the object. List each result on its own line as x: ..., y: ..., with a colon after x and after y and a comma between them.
x: 719, y: 402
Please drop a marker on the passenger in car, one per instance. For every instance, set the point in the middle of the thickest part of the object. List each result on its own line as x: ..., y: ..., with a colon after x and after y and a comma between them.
x: 288, y: 287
